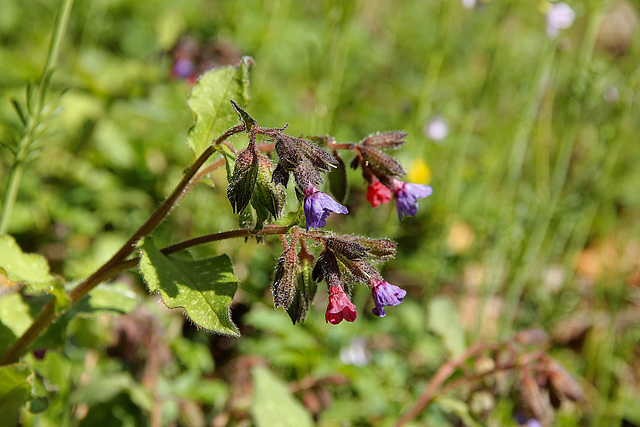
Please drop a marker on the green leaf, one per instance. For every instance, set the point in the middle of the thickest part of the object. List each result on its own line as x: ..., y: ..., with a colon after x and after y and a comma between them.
x: 209, y: 102
x: 273, y: 404
x: 15, y: 390
x: 443, y: 320
x: 15, y: 313
x: 7, y: 337
x: 459, y: 408
x: 18, y: 311
x: 113, y: 298
x: 203, y: 288
x: 27, y: 269
x: 338, y: 181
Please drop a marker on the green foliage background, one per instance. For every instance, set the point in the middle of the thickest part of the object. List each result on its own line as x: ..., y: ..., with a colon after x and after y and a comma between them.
x: 533, y: 221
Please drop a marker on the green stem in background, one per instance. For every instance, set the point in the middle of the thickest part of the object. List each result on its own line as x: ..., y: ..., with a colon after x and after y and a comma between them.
x: 112, y: 267
x: 33, y: 119
x: 531, y: 260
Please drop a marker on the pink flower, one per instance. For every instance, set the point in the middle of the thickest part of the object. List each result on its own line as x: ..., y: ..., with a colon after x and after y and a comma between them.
x: 378, y: 193
x: 340, y: 307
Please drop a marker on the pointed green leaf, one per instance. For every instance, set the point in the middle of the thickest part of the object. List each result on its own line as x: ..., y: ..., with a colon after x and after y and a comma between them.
x: 203, y: 288
x: 209, y: 102
x: 273, y: 404
x: 249, y: 122
x: 15, y: 390
x: 27, y: 269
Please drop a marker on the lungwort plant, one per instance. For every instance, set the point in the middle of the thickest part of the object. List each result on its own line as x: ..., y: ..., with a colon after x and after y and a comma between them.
x: 258, y: 176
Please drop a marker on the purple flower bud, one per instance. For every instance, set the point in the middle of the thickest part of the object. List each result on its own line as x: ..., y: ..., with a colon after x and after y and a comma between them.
x: 407, y: 196
x: 318, y: 206
x: 385, y: 293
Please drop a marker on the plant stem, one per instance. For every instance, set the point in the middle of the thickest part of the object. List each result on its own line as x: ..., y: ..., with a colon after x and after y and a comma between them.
x: 111, y: 267
x: 268, y: 230
x: 444, y: 373
x: 33, y: 120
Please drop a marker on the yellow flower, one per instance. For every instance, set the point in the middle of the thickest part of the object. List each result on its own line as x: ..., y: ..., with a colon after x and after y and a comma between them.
x: 419, y: 172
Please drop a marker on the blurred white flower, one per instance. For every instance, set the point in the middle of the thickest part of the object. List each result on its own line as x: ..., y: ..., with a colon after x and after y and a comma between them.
x: 437, y: 129
x: 355, y: 353
x: 611, y: 94
x: 559, y: 17
x: 469, y: 4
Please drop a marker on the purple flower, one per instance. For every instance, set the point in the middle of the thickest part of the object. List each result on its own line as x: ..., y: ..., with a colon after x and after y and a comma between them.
x: 407, y: 196
x: 385, y: 293
x: 182, y: 68
x: 318, y: 206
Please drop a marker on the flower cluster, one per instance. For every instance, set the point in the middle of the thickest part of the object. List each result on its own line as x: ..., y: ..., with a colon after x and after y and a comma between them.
x: 344, y: 260
x: 382, y: 173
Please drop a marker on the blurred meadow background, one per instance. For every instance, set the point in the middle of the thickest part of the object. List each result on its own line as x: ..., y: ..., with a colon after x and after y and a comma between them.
x: 529, y: 141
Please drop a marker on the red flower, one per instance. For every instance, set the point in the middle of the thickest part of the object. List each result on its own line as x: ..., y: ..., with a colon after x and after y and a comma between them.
x: 340, y: 307
x: 378, y: 193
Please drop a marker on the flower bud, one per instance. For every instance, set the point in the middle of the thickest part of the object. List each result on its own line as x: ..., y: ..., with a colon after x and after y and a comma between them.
x: 305, y: 289
x: 392, y: 139
x: 381, y: 161
x: 268, y: 197
x: 562, y: 383
x: 243, y: 178
x: 533, y: 400
x: 285, y: 278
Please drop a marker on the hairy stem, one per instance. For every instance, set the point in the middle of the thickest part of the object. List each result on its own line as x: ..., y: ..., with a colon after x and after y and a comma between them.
x: 33, y: 119
x: 111, y: 267
x: 268, y: 230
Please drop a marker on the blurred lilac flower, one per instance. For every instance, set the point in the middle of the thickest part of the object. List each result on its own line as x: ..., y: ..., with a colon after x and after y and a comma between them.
x: 560, y: 16
x: 385, y: 293
x: 182, y: 68
x: 407, y: 196
x: 340, y: 307
x: 611, y: 94
x: 318, y: 206
x: 469, y: 4
x: 355, y: 353
x: 436, y: 129
x: 525, y: 421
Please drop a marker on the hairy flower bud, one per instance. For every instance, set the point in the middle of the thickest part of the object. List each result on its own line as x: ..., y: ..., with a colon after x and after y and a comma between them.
x: 243, y: 179
x: 562, y: 383
x: 533, y: 400
x: 346, y: 249
x: 393, y: 139
x: 381, y: 161
x: 267, y: 195
x: 303, y: 158
x: 531, y: 337
x: 305, y: 289
x: 285, y: 278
